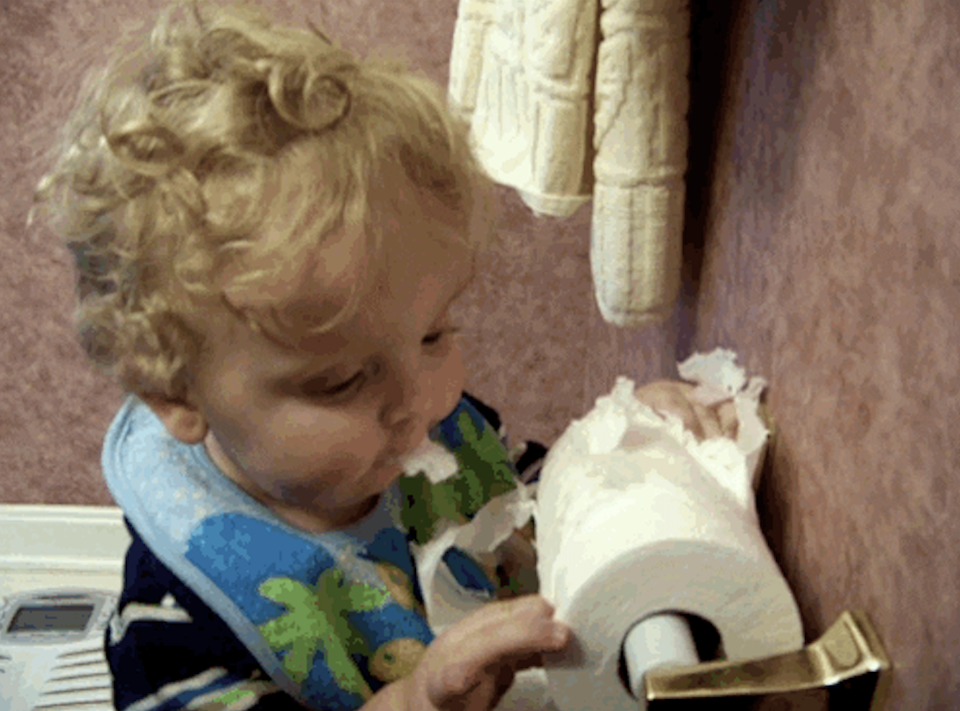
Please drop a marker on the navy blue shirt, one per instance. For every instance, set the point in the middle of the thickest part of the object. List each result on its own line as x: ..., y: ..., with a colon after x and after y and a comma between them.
x: 167, y: 649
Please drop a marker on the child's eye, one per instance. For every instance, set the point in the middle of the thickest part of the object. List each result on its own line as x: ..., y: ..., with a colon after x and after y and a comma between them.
x: 321, y: 388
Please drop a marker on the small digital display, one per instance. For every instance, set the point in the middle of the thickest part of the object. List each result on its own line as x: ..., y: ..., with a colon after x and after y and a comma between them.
x: 51, y: 618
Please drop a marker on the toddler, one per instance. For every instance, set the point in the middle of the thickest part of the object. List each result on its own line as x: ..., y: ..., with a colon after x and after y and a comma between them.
x: 270, y: 234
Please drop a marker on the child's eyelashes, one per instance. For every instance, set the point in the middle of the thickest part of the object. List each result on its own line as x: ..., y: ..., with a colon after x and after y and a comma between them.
x: 322, y: 388
x: 435, y: 337
x: 343, y: 387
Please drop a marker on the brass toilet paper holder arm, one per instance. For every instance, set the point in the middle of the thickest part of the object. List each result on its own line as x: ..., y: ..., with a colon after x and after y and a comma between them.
x: 847, y: 668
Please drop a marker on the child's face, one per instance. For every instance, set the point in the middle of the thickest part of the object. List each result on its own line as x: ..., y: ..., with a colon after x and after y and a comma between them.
x: 278, y: 426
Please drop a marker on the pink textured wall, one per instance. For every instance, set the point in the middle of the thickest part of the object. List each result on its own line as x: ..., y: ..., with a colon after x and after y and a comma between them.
x: 832, y: 263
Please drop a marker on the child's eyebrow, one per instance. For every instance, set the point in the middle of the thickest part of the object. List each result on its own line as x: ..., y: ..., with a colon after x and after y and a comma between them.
x: 324, y: 361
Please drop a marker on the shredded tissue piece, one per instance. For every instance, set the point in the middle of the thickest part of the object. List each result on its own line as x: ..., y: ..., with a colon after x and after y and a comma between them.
x: 490, y: 527
x: 430, y: 458
x: 717, y: 375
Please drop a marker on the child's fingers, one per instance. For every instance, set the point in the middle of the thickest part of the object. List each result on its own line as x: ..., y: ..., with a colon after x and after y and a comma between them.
x: 729, y: 424
x: 709, y: 421
x: 498, y: 639
x: 676, y: 398
x: 718, y: 420
x: 513, y: 627
x: 664, y: 397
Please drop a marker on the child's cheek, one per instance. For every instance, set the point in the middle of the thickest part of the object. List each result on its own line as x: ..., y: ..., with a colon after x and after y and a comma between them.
x: 455, y: 379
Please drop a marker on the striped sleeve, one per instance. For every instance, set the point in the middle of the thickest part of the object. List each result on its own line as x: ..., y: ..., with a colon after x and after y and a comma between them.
x: 169, y: 652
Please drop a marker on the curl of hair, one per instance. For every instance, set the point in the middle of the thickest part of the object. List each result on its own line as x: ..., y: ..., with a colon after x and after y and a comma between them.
x: 162, y: 172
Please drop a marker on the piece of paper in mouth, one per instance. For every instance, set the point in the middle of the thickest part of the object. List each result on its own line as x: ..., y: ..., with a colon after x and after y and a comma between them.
x: 431, y: 459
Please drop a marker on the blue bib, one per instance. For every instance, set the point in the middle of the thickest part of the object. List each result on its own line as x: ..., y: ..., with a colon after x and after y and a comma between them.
x: 331, y: 617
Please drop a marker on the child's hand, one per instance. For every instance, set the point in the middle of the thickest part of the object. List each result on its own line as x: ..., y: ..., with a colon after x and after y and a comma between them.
x: 676, y: 397
x: 472, y: 664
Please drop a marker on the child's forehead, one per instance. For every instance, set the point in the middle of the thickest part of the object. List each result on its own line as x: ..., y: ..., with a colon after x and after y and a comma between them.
x: 309, y: 292
x: 319, y: 278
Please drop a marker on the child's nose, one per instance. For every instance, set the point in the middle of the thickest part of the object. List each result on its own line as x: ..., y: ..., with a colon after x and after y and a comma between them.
x: 408, y: 437
x: 404, y: 408
x: 403, y: 435
x: 406, y: 393
x: 404, y: 418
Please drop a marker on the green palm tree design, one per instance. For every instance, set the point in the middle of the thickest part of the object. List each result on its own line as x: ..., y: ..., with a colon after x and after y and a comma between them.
x: 316, y: 618
x: 245, y: 694
x: 484, y: 474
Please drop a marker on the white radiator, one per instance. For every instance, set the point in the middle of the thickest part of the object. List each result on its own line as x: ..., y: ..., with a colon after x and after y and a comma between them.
x: 61, y: 568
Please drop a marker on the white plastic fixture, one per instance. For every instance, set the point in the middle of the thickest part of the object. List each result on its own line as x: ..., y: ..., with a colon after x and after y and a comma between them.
x: 61, y: 570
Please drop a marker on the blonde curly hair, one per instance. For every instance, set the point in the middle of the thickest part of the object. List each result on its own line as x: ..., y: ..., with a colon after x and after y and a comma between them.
x: 163, y: 172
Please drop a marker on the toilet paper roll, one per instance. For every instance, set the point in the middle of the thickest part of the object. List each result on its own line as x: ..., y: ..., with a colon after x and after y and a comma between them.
x: 635, y: 517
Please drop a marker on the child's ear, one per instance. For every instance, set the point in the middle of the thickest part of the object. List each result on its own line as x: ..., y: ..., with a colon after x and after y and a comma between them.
x: 182, y: 420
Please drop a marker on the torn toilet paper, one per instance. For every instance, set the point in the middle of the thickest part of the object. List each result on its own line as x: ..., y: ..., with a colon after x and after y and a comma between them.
x: 637, y: 518
x: 618, y: 424
x: 446, y: 602
x: 431, y: 459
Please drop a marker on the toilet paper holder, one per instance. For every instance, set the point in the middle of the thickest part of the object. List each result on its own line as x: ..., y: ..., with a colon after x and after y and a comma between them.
x: 847, y: 668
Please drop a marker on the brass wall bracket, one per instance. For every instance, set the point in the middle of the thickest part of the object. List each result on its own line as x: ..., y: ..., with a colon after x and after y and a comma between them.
x: 847, y: 668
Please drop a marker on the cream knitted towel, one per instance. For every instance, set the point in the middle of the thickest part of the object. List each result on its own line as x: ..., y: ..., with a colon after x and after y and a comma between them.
x: 562, y: 112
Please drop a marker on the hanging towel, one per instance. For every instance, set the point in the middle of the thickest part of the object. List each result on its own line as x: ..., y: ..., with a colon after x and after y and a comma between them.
x: 573, y: 99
